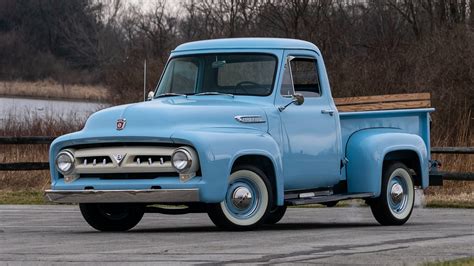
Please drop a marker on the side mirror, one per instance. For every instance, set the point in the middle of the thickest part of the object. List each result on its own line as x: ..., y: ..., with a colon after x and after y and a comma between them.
x: 297, y: 99
x: 150, y: 96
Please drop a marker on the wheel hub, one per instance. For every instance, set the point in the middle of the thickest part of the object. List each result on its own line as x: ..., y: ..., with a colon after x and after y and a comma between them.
x: 396, y: 193
x: 241, y: 198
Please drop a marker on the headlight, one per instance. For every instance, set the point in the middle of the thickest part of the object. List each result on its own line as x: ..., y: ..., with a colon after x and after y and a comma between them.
x: 65, y: 162
x: 182, y: 160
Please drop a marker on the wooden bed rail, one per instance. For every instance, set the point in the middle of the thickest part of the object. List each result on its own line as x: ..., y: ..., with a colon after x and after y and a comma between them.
x: 383, y: 102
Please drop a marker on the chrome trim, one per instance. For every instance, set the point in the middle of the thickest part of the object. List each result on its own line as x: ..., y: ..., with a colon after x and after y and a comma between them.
x: 328, y: 112
x: 73, y: 162
x: 397, y: 193
x: 193, y: 161
x: 189, y: 160
x: 247, y: 119
x: 130, y: 159
x: 242, y: 198
x: 117, y: 196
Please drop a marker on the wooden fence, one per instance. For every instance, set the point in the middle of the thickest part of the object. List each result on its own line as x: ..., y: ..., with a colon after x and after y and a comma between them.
x: 27, y: 166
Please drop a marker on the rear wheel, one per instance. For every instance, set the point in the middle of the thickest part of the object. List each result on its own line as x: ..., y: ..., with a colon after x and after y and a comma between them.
x: 395, y: 203
x: 247, y: 203
x: 112, y: 216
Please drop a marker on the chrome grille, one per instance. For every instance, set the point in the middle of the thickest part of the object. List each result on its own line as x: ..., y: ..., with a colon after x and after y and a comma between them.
x: 130, y: 159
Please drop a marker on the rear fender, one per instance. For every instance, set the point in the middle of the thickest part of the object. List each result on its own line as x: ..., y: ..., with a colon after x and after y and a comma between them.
x: 366, y: 151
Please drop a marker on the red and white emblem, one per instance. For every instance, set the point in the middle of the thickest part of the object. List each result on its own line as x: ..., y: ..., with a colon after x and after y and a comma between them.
x: 121, y: 123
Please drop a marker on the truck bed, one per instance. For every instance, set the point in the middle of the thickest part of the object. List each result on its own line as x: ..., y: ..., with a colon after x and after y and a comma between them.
x: 407, y: 112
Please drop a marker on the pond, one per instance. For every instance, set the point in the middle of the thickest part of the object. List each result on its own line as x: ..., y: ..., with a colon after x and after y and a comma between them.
x: 25, y: 108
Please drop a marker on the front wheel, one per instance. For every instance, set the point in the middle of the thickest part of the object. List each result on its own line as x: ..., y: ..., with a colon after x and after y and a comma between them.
x: 247, y: 203
x: 112, y: 216
x: 275, y: 215
x: 395, y: 203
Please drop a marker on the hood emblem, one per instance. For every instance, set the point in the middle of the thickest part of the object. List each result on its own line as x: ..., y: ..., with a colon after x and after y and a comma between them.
x: 121, y: 123
x: 119, y: 158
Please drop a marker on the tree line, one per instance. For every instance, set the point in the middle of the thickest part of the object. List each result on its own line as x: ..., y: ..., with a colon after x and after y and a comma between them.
x: 370, y: 46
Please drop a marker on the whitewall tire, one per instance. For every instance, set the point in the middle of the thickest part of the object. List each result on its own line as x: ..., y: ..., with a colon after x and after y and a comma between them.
x: 395, y: 203
x: 248, y: 200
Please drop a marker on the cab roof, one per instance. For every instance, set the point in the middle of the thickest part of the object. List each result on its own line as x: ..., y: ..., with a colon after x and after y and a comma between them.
x: 247, y: 43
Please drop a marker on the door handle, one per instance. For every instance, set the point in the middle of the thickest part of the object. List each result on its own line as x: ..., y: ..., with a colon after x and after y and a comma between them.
x: 328, y: 112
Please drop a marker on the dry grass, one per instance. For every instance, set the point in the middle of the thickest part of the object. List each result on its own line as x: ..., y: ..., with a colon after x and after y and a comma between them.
x: 29, y: 196
x: 458, y: 262
x: 30, y: 126
x: 454, y: 193
x: 49, y: 89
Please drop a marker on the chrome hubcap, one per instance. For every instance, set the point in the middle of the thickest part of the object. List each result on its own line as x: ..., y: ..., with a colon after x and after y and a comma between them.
x: 396, y: 193
x: 241, y: 198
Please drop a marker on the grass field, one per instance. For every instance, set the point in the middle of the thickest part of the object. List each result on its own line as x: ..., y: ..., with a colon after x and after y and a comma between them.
x: 458, y: 262
x: 48, y: 89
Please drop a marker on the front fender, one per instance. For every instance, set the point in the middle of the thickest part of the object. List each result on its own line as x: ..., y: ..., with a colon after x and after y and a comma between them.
x: 219, y: 148
x: 366, y: 150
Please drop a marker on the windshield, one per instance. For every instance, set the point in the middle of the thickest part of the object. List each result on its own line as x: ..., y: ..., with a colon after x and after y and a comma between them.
x: 238, y: 74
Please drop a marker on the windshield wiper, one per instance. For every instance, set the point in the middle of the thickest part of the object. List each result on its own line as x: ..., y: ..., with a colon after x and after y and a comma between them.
x: 213, y: 93
x: 169, y: 94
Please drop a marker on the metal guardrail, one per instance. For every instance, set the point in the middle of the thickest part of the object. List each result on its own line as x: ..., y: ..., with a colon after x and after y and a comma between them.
x: 27, y: 166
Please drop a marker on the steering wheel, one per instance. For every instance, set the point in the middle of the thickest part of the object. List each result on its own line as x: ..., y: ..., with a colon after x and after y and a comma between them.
x: 241, y: 85
x: 245, y: 82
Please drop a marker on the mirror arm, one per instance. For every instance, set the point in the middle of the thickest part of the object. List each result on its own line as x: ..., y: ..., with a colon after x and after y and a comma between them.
x: 282, y: 108
x: 297, y: 99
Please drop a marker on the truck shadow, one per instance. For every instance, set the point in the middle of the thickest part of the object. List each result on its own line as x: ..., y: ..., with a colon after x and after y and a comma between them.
x: 276, y: 227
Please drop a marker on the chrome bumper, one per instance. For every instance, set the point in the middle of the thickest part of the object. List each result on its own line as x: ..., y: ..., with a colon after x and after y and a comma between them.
x: 123, y: 196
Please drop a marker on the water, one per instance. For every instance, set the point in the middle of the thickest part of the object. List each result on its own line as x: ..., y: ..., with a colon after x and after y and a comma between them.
x: 23, y: 108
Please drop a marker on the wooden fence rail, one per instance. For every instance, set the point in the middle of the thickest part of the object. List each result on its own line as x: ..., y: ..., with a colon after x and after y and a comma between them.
x: 26, y: 140
x: 453, y: 150
x: 27, y: 166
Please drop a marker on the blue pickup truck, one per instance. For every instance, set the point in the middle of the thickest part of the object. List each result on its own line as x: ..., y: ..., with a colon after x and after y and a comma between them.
x: 241, y: 129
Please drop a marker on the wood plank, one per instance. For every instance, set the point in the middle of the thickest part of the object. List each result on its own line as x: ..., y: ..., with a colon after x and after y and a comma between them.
x: 382, y: 98
x: 384, y: 106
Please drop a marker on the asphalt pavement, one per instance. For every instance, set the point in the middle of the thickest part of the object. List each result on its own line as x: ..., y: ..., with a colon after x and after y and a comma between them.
x: 57, y: 234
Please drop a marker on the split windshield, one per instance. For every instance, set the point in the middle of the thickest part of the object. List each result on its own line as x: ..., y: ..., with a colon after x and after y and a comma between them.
x: 237, y: 74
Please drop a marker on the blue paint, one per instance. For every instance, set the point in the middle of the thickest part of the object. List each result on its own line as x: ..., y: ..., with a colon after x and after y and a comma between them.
x: 304, y: 145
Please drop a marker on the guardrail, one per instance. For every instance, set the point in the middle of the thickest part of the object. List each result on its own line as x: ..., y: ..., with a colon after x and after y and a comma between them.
x: 27, y: 166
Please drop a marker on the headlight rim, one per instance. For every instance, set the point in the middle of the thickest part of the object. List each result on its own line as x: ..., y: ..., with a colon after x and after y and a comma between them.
x: 189, y: 160
x: 71, y: 156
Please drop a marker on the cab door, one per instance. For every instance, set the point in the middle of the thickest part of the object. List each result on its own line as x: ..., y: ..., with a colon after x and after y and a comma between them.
x: 311, y: 157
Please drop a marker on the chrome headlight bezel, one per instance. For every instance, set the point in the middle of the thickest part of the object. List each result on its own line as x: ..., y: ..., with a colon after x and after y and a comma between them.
x: 189, y: 159
x: 69, y: 155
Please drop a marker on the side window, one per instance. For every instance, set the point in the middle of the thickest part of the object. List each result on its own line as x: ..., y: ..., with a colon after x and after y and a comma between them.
x: 304, y: 77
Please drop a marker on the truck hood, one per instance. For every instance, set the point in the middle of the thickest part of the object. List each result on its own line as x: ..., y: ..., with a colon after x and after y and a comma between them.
x: 162, y: 117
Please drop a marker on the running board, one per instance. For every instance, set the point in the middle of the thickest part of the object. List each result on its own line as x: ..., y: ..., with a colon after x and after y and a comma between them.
x: 330, y: 198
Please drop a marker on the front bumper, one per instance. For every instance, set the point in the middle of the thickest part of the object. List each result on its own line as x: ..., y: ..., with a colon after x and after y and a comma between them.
x: 123, y: 196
